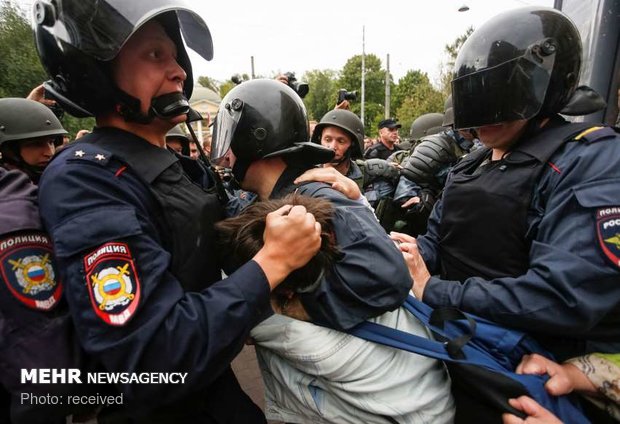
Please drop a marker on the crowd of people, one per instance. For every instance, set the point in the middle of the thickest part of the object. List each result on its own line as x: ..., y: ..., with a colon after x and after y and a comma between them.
x: 134, y: 250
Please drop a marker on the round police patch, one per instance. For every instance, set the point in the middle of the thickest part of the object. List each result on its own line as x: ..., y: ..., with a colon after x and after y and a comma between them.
x: 112, y: 282
x: 608, y: 229
x: 27, y: 269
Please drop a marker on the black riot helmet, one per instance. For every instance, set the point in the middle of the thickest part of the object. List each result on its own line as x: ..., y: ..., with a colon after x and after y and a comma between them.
x: 347, y: 121
x: 264, y: 118
x: 77, y: 40
x: 521, y: 64
x: 427, y: 124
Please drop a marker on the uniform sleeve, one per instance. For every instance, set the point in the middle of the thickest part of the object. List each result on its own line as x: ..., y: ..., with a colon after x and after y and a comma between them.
x: 369, y: 279
x: 86, y: 208
x: 405, y: 190
x: 428, y: 244
x: 572, y: 280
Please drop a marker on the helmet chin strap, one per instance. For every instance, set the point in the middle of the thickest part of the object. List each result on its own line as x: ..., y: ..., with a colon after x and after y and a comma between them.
x: 345, y: 157
x: 165, y: 106
x: 238, y: 170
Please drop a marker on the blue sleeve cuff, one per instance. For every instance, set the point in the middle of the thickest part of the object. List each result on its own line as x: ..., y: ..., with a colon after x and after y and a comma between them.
x: 252, y: 283
x: 439, y: 292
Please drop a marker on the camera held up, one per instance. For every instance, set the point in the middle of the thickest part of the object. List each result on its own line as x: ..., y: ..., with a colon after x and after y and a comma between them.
x: 346, y: 95
x: 301, y: 88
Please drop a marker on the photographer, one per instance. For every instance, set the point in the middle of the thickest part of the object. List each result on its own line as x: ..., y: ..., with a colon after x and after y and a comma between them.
x: 343, y: 132
x: 288, y: 78
x: 344, y: 97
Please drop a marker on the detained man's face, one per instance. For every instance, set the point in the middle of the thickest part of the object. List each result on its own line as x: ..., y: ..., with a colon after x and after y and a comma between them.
x: 147, y: 67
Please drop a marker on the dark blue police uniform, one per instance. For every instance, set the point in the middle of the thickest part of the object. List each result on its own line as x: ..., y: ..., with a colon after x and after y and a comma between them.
x: 369, y: 279
x: 133, y: 238
x: 35, y: 326
x: 540, y: 252
x: 379, y: 150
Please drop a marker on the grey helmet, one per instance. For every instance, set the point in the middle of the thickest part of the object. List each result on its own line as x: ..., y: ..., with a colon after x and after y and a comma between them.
x: 448, y: 113
x: 23, y: 119
x: 349, y: 122
x: 427, y: 124
x: 177, y: 133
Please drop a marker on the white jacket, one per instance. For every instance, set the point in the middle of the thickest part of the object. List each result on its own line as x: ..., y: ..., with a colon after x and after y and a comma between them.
x: 314, y: 374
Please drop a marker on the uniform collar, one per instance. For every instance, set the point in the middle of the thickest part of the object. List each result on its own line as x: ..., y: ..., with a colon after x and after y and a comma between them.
x: 285, y: 185
x: 537, y: 145
x: 146, y: 159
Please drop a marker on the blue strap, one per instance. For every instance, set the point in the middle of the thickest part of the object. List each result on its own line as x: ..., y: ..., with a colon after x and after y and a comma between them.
x: 392, y: 337
x: 398, y: 339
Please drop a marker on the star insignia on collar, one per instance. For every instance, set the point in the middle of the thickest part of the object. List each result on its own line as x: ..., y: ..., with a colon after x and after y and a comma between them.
x: 80, y: 153
x: 99, y: 157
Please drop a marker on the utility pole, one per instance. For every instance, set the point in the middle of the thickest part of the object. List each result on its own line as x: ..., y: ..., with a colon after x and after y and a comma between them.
x: 363, y: 72
x: 387, y: 87
x: 252, y: 66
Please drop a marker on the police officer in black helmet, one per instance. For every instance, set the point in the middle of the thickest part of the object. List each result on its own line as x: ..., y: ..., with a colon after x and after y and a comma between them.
x: 261, y: 132
x: 526, y: 233
x: 132, y: 223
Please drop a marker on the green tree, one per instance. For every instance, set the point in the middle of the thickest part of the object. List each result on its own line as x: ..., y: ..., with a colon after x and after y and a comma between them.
x: 414, y: 96
x: 20, y: 68
x: 225, y: 87
x: 407, y: 86
x: 228, y: 85
x: 351, y: 79
x: 209, y: 82
x: 322, y: 95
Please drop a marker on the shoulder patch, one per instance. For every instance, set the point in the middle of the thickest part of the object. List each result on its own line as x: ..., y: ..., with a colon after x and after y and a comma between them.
x: 595, y: 134
x: 27, y: 269
x: 113, y: 283
x: 608, y: 229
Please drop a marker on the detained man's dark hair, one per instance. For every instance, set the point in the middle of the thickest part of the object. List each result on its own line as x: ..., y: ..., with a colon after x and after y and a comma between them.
x: 240, y: 238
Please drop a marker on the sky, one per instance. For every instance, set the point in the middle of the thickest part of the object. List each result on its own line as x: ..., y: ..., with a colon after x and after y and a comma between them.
x: 300, y: 36
x: 323, y: 34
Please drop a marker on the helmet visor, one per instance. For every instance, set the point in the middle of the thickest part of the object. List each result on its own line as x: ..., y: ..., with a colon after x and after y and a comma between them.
x: 510, y: 91
x: 100, y: 28
x: 224, y: 128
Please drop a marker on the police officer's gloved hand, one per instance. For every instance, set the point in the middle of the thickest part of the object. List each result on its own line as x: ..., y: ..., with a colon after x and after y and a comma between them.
x: 425, y: 206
